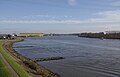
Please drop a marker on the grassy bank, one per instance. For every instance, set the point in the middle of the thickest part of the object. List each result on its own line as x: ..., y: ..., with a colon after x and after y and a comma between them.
x: 17, y: 67
x: 4, y: 72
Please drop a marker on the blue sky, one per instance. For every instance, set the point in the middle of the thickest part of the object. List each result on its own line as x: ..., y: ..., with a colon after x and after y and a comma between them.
x: 59, y: 16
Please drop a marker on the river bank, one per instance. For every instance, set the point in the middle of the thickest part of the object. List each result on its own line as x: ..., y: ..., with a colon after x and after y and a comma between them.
x: 31, y: 67
x: 101, y: 35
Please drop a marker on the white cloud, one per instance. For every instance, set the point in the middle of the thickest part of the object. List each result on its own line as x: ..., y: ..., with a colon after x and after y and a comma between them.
x: 107, y: 16
x: 35, y: 16
x: 72, y: 2
x: 110, y: 17
x: 41, y: 21
x: 43, y: 17
x: 110, y: 13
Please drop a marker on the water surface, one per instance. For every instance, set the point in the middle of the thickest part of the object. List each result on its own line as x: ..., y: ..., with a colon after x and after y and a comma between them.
x: 84, y: 57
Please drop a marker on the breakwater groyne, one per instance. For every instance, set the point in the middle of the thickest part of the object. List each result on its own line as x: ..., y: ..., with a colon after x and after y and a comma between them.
x: 47, y: 59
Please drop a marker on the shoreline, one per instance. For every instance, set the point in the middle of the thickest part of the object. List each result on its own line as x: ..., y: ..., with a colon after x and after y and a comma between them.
x: 32, y: 67
x: 101, y: 35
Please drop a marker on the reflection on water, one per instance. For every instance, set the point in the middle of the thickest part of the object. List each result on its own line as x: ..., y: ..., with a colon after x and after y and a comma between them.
x: 84, y: 57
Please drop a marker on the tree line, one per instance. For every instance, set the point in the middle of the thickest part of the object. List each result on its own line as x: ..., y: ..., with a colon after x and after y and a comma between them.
x: 101, y: 35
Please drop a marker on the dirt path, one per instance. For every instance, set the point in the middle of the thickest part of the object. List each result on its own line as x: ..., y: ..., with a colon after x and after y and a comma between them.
x: 12, y: 72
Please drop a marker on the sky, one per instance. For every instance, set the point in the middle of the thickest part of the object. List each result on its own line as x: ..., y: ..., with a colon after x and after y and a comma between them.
x: 59, y: 16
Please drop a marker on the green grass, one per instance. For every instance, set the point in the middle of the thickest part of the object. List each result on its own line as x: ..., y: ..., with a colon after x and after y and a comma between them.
x: 4, y: 72
x: 17, y: 67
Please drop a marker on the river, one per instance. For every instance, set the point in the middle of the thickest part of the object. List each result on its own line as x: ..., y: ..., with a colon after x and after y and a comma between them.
x: 84, y: 57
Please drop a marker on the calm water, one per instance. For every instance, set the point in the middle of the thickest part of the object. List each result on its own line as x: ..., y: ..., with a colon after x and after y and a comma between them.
x: 84, y: 57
